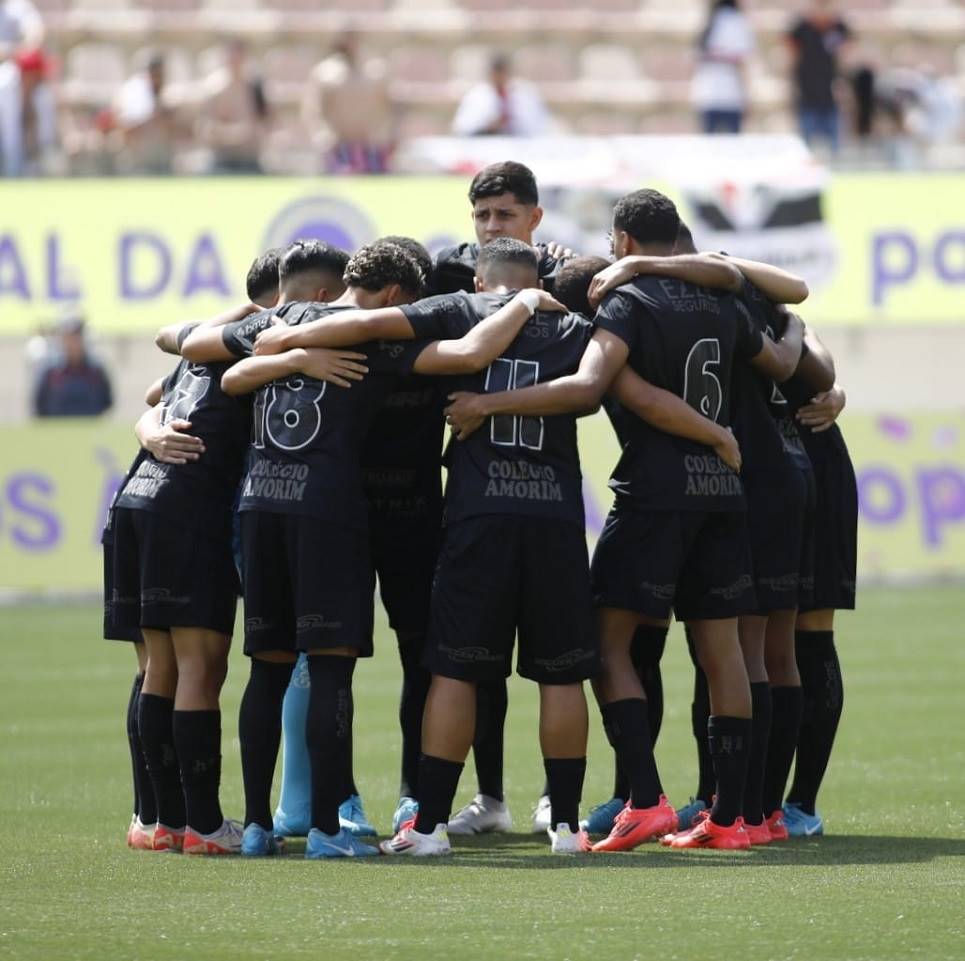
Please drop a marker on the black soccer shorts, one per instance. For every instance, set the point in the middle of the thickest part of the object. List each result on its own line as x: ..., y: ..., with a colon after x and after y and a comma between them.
x: 307, y: 584
x: 780, y: 520
x: 405, y: 548
x: 159, y: 574
x: 695, y: 564
x: 499, y: 574
x: 835, y: 524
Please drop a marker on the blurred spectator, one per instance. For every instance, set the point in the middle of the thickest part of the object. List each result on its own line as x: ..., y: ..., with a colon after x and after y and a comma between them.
x: 39, y: 118
x: 21, y: 30
x: 720, y: 84
x: 348, y: 110
x: 501, y: 106
x: 147, y: 125
x: 817, y: 39
x: 71, y: 383
x: 233, y: 114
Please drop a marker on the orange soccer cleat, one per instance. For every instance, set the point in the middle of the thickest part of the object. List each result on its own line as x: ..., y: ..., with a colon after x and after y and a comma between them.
x: 633, y: 826
x: 710, y: 835
x: 700, y: 817
x: 140, y: 836
x: 777, y: 827
x: 758, y: 834
x: 167, y: 839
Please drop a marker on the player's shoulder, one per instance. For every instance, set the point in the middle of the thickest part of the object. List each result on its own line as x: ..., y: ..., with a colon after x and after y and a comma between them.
x: 459, y: 255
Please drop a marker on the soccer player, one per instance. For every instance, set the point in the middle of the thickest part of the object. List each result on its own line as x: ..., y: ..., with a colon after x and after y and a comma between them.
x: 169, y: 579
x: 675, y: 539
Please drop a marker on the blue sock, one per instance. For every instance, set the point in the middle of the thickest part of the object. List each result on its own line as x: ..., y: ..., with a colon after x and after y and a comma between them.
x: 295, y: 803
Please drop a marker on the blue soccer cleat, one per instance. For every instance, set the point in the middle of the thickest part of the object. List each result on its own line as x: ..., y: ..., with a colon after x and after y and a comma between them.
x: 800, y: 824
x: 351, y: 817
x: 600, y: 819
x: 291, y: 825
x: 341, y: 845
x: 256, y: 842
x: 407, y: 810
x: 687, y: 815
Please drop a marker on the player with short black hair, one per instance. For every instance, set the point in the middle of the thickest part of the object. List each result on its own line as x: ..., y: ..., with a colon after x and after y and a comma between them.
x: 649, y: 217
x: 262, y: 279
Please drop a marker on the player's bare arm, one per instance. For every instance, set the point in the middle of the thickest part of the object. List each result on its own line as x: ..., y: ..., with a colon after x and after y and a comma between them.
x: 154, y: 393
x: 779, y: 286
x: 338, y: 367
x: 168, y: 443
x: 480, y: 346
x: 338, y: 330
x: 816, y: 366
x: 823, y: 410
x: 706, y: 270
x: 167, y: 337
x: 603, y: 358
x: 779, y: 359
x: 671, y: 414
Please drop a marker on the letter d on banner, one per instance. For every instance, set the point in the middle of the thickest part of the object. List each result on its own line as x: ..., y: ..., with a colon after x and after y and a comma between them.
x: 144, y: 262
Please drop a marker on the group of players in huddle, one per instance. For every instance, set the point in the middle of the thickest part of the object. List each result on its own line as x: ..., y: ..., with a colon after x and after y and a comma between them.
x: 297, y: 444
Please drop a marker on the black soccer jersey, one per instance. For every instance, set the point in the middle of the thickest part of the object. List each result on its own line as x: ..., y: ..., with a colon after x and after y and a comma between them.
x: 307, y: 435
x: 239, y: 336
x: 511, y: 465
x: 827, y: 444
x: 199, y: 492
x: 683, y: 338
x: 455, y: 268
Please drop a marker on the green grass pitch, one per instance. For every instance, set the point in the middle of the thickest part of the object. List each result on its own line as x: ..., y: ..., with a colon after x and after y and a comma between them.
x: 887, y: 882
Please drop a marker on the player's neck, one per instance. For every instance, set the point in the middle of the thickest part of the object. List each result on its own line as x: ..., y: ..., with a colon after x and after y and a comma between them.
x: 650, y: 250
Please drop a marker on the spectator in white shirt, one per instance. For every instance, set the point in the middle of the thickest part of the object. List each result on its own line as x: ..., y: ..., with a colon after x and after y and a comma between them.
x: 501, y: 106
x: 719, y: 85
x: 21, y: 29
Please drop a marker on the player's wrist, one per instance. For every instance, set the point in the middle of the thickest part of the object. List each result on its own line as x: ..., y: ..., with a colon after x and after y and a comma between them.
x: 530, y: 299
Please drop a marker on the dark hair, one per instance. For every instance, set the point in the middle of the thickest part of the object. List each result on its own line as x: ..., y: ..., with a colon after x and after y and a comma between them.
x: 648, y: 216
x: 572, y: 283
x: 416, y: 251
x: 305, y: 256
x: 506, y: 250
x: 715, y: 7
x: 263, y: 274
x: 507, y: 177
x: 379, y: 265
x: 684, y: 244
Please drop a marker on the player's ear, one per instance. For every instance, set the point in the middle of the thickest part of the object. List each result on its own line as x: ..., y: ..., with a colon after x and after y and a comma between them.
x: 535, y: 218
x: 477, y: 284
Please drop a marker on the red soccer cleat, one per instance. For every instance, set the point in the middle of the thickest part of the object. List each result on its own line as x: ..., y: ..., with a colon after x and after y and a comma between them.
x: 758, y: 834
x: 700, y: 817
x: 710, y: 835
x: 167, y: 839
x: 140, y: 836
x: 775, y: 824
x: 633, y: 826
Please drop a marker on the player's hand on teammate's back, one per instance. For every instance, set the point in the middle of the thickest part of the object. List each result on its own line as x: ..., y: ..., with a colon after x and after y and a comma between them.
x: 171, y: 444
x: 272, y: 339
x: 464, y: 413
x: 338, y: 367
x: 616, y: 275
x: 548, y: 302
x: 823, y: 410
x: 728, y: 450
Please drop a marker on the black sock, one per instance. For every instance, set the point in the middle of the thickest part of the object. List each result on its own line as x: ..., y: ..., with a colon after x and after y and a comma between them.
x: 564, y: 778
x: 787, y: 703
x: 699, y: 718
x: 197, y: 737
x: 492, y: 701
x: 412, y: 705
x: 729, y: 740
x: 438, y: 780
x: 628, y: 732
x: 154, y: 725
x: 328, y: 732
x: 646, y: 651
x: 259, y: 730
x: 760, y: 730
x: 145, y: 807
x: 817, y: 661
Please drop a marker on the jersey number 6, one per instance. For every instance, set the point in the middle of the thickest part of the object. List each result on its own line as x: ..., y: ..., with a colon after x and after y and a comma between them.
x: 701, y: 387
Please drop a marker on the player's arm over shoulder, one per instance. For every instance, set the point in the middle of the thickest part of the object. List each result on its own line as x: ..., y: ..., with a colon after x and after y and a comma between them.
x: 775, y: 359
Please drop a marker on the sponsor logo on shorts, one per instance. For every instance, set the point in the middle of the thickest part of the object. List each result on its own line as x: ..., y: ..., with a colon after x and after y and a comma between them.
x: 564, y: 661
x: 161, y: 595
x: 786, y: 582
x: 316, y: 622
x: 740, y: 586
x: 662, y: 592
x: 253, y: 624
x: 470, y: 655
x: 122, y: 599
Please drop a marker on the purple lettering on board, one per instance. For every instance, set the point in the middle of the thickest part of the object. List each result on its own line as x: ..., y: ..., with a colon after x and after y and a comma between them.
x: 206, y: 273
x: 13, y: 275
x: 58, y: 286
x: 887, y: 270
x: 881, y: 499
x: 950, y: 268
x: 37, y: 528
x: 941, y: 492
x: 140, y: 245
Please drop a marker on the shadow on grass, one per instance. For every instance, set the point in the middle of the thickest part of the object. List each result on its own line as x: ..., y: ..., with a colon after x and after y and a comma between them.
x: 506, y: 851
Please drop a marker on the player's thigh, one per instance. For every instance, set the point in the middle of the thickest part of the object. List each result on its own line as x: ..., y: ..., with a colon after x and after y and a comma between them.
x: 472, y: 621
x: 715, y: 579
x: 266, y: 584
x: 333, y: 586
x: 637, y: 562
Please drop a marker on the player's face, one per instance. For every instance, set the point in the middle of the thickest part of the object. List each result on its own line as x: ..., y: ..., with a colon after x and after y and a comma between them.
x: 505, y: 216
x: 619, y: 243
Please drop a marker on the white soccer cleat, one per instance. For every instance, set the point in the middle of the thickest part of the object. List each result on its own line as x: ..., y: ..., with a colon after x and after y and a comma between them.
x: 564, y: 841
x: 409, y: 841
x: 541, y: 815
x: 226, y: 840
x: 480, y: 816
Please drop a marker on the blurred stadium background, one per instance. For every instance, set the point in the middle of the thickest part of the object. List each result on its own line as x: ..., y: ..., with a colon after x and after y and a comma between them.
x: 123, y: 215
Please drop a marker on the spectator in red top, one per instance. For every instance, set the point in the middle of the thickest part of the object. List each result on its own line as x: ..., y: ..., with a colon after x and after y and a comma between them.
x: 72, y: 384
x: 817, y: 40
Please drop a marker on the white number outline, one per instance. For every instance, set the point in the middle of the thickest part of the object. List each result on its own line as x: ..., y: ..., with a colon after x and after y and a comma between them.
x: 519, y: 370
x: 262, y: 415
x: 714, y: 361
